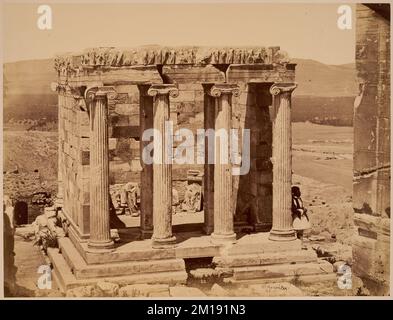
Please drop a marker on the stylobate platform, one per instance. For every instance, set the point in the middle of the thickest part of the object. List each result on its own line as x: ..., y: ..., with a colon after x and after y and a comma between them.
x: 253, y: 258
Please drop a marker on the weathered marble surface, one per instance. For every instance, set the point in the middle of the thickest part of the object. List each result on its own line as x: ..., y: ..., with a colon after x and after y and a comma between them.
x: 371, y: 157
x: 157, y: 55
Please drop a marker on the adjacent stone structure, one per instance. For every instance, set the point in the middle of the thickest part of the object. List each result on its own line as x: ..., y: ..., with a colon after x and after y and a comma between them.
x: 28, y: 193
x: 109, y: 97
x: 371, y: 187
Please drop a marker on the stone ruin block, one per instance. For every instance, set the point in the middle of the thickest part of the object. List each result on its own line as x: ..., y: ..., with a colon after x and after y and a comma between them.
x: 371, y: 188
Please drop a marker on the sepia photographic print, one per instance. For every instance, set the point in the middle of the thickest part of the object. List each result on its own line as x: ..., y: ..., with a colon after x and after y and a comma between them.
x: 199, y: 150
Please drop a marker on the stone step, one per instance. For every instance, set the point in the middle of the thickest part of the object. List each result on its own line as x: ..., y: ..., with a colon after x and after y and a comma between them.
x: 329, y: 277
x: 266, y: 258
x: 182, y: 291
x: 259, y: 243
x: 64, y: 279
x: 61, y: 272
x: 278, y: 289
x: 130, y: 268
x: 282, y: 270
x: 194, y: 247
x: 82, y: 270
x: 70, y: 254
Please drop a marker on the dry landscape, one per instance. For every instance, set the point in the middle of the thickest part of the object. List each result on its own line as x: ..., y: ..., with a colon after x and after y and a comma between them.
x: 322, y: 166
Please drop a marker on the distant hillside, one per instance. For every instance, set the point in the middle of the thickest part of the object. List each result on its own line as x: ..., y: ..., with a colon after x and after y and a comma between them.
x: 27, y: 92
x: 317, y: 79
x: 29, y: 77
x: 30, y: 106
x: 336, y: 111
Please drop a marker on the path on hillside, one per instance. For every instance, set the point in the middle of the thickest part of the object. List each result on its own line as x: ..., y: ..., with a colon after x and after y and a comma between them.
x: 28, y: 258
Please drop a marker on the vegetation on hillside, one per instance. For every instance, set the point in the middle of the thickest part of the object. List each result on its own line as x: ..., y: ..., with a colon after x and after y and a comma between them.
x: 336, y: 111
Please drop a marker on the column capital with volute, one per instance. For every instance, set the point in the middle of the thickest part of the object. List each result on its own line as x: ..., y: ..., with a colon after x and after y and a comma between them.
x: 218, y: 89
x: 163, y: 89
x: 94, y: 93
x: 280, y: 88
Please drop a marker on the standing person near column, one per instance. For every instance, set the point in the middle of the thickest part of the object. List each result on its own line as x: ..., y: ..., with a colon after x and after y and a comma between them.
x: 301, y: 221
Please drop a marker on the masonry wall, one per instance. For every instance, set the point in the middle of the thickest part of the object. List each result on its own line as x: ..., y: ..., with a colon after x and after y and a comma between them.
x: 21, y: 187
x: 124, y: 157
x: 74, y: 157
x: 253, y: 191
x: 187, y: 111
x: 371, y: 188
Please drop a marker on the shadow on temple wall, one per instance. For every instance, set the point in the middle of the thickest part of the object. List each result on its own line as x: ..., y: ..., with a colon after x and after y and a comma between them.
x: 254, y: 195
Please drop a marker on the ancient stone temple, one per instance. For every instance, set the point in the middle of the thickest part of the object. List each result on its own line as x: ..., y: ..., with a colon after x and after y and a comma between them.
x: 109, y: 97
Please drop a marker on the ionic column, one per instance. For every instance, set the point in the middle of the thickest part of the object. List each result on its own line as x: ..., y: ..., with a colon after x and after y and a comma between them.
x: 282, y: 229
x: 97, y: 101
x: 162, y: 166
x: 146, y: 123
x: 223, y: 211
x: 208, y: 179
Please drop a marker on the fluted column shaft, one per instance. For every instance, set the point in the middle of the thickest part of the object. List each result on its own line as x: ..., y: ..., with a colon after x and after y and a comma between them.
x: 223, y: 211
x: 209, y: 113
x: 97, y: 99
x: 282, y: 229
x: 146, y: 123
x: 162, y: 167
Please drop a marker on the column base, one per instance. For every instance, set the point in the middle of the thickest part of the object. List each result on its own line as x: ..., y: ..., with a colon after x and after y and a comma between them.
x: 162, y: 243
x: 262, y: 227
x: 223, y: 238
x: 208, y: 229
x: 94, y: 246
x: 146, y: 234
x: 282, y: 235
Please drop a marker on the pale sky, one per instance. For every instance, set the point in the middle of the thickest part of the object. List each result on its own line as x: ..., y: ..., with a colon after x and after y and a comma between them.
x: 303, y: 30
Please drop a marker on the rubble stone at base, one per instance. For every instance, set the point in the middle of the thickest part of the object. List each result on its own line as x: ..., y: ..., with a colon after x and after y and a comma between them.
x: 108, y: 289
x: 84, y: 292
x: 144, y: 290
x: 218, y: 291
